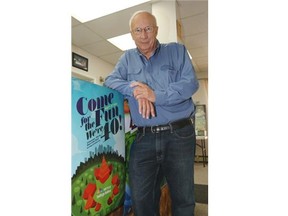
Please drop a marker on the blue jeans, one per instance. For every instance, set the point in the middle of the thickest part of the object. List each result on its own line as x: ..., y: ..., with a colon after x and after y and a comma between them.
x: 168, y: 154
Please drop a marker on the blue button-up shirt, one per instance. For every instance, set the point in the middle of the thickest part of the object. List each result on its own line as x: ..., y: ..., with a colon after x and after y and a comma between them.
x: 169, y: 72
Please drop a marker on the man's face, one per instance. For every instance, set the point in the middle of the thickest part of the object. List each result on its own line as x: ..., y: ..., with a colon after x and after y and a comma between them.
x: 144, y: 32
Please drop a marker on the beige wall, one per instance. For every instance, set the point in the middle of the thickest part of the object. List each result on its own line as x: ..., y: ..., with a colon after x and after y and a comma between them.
x: 96, y: 67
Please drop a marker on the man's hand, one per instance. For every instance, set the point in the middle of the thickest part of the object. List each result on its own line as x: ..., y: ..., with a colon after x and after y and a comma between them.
x: 145, y: 97
x: 146, y: 108
x: 141, y: 91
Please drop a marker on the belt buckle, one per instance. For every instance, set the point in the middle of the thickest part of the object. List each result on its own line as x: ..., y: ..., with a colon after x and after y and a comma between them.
x: 155, y: 129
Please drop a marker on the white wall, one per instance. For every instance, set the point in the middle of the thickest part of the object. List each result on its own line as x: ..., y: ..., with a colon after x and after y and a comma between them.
x: 96, y: 66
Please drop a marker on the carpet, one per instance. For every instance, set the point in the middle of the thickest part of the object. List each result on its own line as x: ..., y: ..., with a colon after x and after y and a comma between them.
x: 201, y: 193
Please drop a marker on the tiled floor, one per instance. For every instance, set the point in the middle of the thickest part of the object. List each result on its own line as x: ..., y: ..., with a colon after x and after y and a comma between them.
x: 200, y: 173
x: 201, y: 209
x: 201, y: 177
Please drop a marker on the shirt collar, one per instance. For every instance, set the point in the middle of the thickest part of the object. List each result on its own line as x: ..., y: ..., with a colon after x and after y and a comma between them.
x: 155, y: 51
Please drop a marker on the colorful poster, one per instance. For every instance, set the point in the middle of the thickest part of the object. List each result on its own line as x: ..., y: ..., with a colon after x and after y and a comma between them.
x: 98, y: 149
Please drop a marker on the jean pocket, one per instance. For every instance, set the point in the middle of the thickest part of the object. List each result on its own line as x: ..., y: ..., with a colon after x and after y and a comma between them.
x: 139, y: 136
x: 185, y: 132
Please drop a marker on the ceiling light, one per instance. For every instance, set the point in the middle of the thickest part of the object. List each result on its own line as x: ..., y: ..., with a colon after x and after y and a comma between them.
x: 123, y: 42
x: 86, y: 10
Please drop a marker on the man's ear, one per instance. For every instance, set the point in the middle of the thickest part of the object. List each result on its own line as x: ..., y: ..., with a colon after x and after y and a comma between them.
x: 132, y: 35
x: 156, y: 32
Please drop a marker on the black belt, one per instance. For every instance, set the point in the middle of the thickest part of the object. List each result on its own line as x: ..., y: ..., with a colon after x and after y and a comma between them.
x: 172, y: 126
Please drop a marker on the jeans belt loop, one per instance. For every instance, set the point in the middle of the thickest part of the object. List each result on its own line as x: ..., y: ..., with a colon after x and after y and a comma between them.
x: 192, y: 122
x: 171, y: 128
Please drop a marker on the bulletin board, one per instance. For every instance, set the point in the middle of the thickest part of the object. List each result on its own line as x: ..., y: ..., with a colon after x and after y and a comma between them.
x: 201, y: 120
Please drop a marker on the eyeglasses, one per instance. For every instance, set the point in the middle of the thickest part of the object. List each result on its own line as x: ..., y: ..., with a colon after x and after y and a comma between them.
x: 147, y: 29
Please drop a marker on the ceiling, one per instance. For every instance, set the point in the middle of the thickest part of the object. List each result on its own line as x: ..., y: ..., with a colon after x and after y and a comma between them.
x: 92, y: 36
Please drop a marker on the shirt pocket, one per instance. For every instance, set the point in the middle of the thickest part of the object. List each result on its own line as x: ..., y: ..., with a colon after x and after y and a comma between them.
x: 171, y: 74
x: 134, y: 74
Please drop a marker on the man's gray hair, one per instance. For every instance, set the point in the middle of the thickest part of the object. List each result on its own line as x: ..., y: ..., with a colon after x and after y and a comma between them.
x: 138, y: 12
